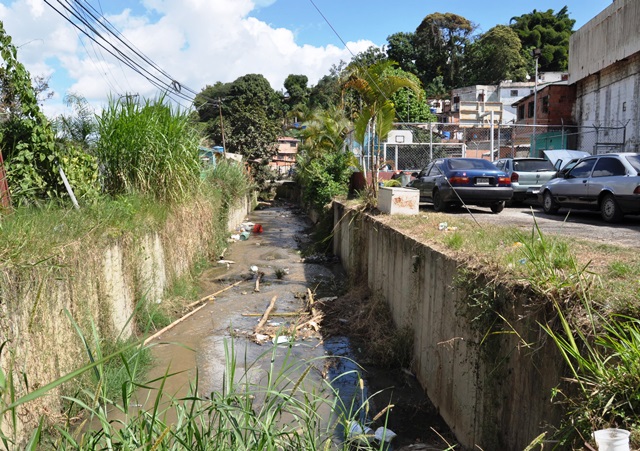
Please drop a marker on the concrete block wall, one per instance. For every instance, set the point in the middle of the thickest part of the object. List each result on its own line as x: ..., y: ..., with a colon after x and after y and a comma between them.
x: 492, y: 389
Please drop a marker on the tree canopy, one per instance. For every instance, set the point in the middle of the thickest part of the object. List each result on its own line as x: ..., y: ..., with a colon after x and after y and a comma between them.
x: 496, y: 56
x: 548, y: 32
x: 440, y: 42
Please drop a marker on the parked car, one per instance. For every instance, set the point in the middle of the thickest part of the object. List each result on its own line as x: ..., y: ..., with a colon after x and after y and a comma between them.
x: 447, y: 182
x: 564, y: 160
x: 609, y: 183
x: 527, y: 176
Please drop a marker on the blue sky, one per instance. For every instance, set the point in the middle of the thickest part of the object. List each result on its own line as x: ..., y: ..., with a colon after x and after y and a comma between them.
x: 200, y: 42
x: 375, y: 20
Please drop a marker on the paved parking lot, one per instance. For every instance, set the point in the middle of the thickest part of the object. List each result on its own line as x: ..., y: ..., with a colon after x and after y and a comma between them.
x: 582, y: 224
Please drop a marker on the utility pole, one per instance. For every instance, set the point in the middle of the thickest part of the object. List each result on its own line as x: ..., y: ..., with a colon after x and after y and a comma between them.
x: 536, y: 54
x: 224, y: 146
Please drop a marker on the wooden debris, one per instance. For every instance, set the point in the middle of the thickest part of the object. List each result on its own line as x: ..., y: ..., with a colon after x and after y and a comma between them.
x: 257, y: 287
x: 213, y: 295
x: 202, y: 301
x: 265, y: 317
x: 282, y: 314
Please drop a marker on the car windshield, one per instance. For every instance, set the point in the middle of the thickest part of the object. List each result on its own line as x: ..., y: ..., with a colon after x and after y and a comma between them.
x: 470, y: 163
x: 634, y: 160
x: 532, y: 165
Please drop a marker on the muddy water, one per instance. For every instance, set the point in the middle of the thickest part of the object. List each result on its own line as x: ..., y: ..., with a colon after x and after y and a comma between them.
x: 196, y: 347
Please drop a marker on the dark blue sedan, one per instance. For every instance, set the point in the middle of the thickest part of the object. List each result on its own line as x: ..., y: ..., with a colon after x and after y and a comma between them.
x: 448, y: 182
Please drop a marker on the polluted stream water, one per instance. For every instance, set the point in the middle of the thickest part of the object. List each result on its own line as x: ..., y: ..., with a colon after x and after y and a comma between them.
x: 269, y: 314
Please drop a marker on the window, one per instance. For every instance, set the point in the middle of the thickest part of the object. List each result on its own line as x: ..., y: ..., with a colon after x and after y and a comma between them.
x: 293, y: 144
x: 545, y: 104
x: 530, y: 108
x: 425, y: 171
x: 521, y: 111
x: 514, y: 93
x: 481, y: 97
x: 582, y: 169
x: 608, y: 166
x: 531, y: 165
x: 435, y: 169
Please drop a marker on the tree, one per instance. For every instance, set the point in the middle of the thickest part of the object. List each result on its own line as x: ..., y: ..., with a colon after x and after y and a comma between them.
x: 81, y: 127
x: 26, y: 137
x: 297, y: 90
x: 252, y: 112
x: 496, y: 56
x: 325, y: 131
x: 548, y: 32
x: 411, y: 106
x: 323, y: 165
x: 436, y: 89
x: 440, y: 42
x: 327, y: 91
x: 376, y: 85
x: 297, y: 98
x: 207, y: 101
x: 401, y: 49
x: 368, y: 57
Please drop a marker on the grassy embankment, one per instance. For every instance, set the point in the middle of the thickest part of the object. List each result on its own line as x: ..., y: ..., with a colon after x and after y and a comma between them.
x: 594, y: 290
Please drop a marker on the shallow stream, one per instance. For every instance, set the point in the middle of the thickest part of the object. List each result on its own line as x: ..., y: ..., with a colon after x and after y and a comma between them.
x: 196, y: 346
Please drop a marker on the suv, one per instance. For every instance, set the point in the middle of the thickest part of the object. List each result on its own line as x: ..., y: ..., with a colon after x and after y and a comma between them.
x: 527, y: 176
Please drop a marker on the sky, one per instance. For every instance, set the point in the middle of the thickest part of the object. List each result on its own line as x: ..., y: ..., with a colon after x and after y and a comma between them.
x: 193, y: 43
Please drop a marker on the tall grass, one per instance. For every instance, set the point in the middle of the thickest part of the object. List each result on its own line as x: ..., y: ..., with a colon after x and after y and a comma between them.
x: 275, y: 403
x: 147, y: 147
x: 602, y: 352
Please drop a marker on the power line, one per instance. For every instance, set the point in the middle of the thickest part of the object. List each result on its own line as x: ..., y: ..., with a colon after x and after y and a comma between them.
x: 171, y: 87
x: 365, y: 72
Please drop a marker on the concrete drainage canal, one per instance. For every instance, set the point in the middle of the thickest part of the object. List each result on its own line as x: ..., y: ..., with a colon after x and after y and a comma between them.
x: 281, y: 321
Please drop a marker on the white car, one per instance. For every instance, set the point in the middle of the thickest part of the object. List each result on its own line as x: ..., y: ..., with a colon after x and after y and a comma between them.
x: 527, y: 176
x: 609, y: 183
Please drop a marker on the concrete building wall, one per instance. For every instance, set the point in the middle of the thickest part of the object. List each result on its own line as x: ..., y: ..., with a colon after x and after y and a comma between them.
x: 609, y: 98
x: 493, y: 390
x: 611, y: 36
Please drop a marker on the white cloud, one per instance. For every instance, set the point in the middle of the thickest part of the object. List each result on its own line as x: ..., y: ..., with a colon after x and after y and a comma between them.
x: 197, y: 42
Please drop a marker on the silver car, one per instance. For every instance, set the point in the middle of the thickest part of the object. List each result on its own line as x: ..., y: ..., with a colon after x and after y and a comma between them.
x: 527, y: 176
x: 609, y: 183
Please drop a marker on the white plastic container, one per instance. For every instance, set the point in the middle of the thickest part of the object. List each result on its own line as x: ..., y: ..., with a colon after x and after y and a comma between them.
x: 399, y: 201
x: 612, y: 439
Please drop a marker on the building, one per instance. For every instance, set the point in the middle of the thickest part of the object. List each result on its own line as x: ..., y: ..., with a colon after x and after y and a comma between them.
x: 604, y: 64
x: 553, y: 105
x: 551, y: 111
x: 285, y: 158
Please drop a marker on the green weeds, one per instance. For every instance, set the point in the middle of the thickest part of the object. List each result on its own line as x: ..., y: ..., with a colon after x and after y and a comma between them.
x: 276, y: 402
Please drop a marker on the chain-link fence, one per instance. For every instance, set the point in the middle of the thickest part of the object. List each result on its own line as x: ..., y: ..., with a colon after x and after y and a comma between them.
x: 409, y: 147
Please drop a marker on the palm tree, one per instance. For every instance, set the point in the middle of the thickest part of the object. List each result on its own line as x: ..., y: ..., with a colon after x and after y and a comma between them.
x: 375, y: 85
x: 325, y: 131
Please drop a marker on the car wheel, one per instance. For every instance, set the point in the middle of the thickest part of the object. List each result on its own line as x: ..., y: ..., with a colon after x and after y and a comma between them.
x: 610, y: 210
x: 548, y: 204
x: 497, y: 207
x: 438, y: 204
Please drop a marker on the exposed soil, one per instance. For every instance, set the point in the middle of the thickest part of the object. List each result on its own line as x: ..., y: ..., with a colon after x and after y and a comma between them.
x: 198, y: 342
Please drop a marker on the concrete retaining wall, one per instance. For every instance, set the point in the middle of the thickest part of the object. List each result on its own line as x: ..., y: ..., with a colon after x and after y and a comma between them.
x: 94, y: 283
x: 490, y: 380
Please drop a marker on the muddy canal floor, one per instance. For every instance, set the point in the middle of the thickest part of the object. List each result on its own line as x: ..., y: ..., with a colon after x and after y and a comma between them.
x: 319, y: 328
